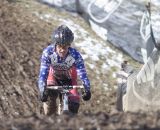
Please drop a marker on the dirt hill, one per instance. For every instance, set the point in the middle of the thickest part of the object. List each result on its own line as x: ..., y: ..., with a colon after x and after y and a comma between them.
x: 22, y: 39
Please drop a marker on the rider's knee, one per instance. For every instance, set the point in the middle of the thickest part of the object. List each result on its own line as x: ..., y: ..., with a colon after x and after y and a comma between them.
x: 74, y: 107
x: 50, y: 107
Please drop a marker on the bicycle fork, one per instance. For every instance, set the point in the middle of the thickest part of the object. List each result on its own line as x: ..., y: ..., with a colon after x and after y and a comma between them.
x: 64, y: 100
x: 65, y: 103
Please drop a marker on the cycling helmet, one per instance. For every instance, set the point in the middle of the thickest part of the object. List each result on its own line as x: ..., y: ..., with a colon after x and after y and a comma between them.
x: 63, y: 35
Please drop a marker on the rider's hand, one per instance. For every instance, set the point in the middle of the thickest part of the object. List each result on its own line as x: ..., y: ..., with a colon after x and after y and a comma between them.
x: 44, y: 95
x: 86, y: 95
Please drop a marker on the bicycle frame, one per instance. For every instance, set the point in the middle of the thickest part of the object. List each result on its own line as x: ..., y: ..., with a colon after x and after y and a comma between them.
x: 64, y: 90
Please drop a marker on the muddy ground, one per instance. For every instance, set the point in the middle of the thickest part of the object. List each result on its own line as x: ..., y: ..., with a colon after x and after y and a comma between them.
x: 22, y: 38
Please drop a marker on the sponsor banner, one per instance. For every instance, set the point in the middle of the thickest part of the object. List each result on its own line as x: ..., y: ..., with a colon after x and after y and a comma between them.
x: 121, y: 22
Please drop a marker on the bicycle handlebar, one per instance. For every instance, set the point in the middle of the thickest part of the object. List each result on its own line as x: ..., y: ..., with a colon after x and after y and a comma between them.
x: 66, y: 87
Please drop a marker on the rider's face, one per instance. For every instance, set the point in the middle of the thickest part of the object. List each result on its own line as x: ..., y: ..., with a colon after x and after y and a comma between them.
x: 62, y: 50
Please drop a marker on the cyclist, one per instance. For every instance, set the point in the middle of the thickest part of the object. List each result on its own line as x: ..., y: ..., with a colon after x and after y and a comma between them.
x: 60, y: 65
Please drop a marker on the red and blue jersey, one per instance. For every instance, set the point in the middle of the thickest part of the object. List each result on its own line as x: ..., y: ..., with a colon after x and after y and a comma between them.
x: 61, y: 67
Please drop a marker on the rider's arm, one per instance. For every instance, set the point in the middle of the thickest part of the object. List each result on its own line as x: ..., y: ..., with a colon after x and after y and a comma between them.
x: 82, y: 71
x: 44, y: 70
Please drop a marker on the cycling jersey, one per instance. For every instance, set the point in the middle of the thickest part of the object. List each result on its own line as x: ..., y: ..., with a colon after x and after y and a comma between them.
x: 61, y: 67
